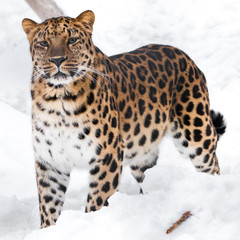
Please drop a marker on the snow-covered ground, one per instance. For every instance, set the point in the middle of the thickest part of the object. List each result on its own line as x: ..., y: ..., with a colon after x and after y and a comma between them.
x: 209, y: 32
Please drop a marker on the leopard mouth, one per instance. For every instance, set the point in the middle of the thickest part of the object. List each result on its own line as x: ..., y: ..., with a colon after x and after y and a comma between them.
x: 60, y: 75
x: 60, y: 78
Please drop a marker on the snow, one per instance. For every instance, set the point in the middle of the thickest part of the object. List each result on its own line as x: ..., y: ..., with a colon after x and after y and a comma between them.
x: 208, y: 31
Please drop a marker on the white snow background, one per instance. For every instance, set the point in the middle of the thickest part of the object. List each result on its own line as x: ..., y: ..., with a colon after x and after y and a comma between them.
x: 209, y: 32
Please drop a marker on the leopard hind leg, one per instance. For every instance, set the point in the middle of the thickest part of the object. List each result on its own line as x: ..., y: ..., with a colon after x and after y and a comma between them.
x: 138, y: 168
x: 196, y: 137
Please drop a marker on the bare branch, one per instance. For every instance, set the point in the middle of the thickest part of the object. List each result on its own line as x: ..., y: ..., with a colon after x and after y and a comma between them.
x: 45, y: 8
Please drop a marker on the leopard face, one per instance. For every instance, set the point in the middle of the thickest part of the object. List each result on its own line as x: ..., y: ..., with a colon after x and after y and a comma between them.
x: 61, y: 48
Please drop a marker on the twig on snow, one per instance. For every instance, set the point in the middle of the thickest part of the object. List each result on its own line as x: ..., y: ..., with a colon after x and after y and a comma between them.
x: 183, y: 218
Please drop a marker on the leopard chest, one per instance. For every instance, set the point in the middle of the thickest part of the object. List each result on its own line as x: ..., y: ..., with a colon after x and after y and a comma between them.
x: 63, y: 142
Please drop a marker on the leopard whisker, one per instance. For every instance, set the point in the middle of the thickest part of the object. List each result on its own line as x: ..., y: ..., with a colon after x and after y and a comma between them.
x: 84, y: 71
x: 88, y: 68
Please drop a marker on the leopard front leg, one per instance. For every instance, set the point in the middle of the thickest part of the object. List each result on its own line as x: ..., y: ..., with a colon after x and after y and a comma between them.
x: 105, y: 172
x: 52, y: 185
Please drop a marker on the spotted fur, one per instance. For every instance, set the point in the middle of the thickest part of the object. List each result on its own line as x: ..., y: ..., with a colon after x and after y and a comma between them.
x: 94, y: 111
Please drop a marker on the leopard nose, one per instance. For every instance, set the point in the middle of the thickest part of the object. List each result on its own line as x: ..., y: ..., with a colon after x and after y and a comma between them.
x: 58, y: 60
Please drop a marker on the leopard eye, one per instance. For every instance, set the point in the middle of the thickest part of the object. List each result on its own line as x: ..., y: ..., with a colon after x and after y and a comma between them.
x: 44, y: 43
x: 72, y: 40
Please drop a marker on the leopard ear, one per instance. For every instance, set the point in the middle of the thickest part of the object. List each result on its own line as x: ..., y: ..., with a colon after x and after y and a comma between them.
x: 86, y: 19
x: 28, y: 25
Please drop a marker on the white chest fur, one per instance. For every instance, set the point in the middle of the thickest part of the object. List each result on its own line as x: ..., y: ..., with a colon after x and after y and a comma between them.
x: 64, y: 145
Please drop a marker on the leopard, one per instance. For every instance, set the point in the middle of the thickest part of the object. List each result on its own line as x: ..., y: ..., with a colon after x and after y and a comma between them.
x: 100, y: 113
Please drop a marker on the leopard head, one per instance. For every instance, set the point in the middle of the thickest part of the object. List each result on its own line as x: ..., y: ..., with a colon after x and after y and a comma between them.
x: 61, y: 48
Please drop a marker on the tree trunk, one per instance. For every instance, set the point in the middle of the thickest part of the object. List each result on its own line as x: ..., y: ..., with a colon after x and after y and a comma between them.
x: 45, y: 8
